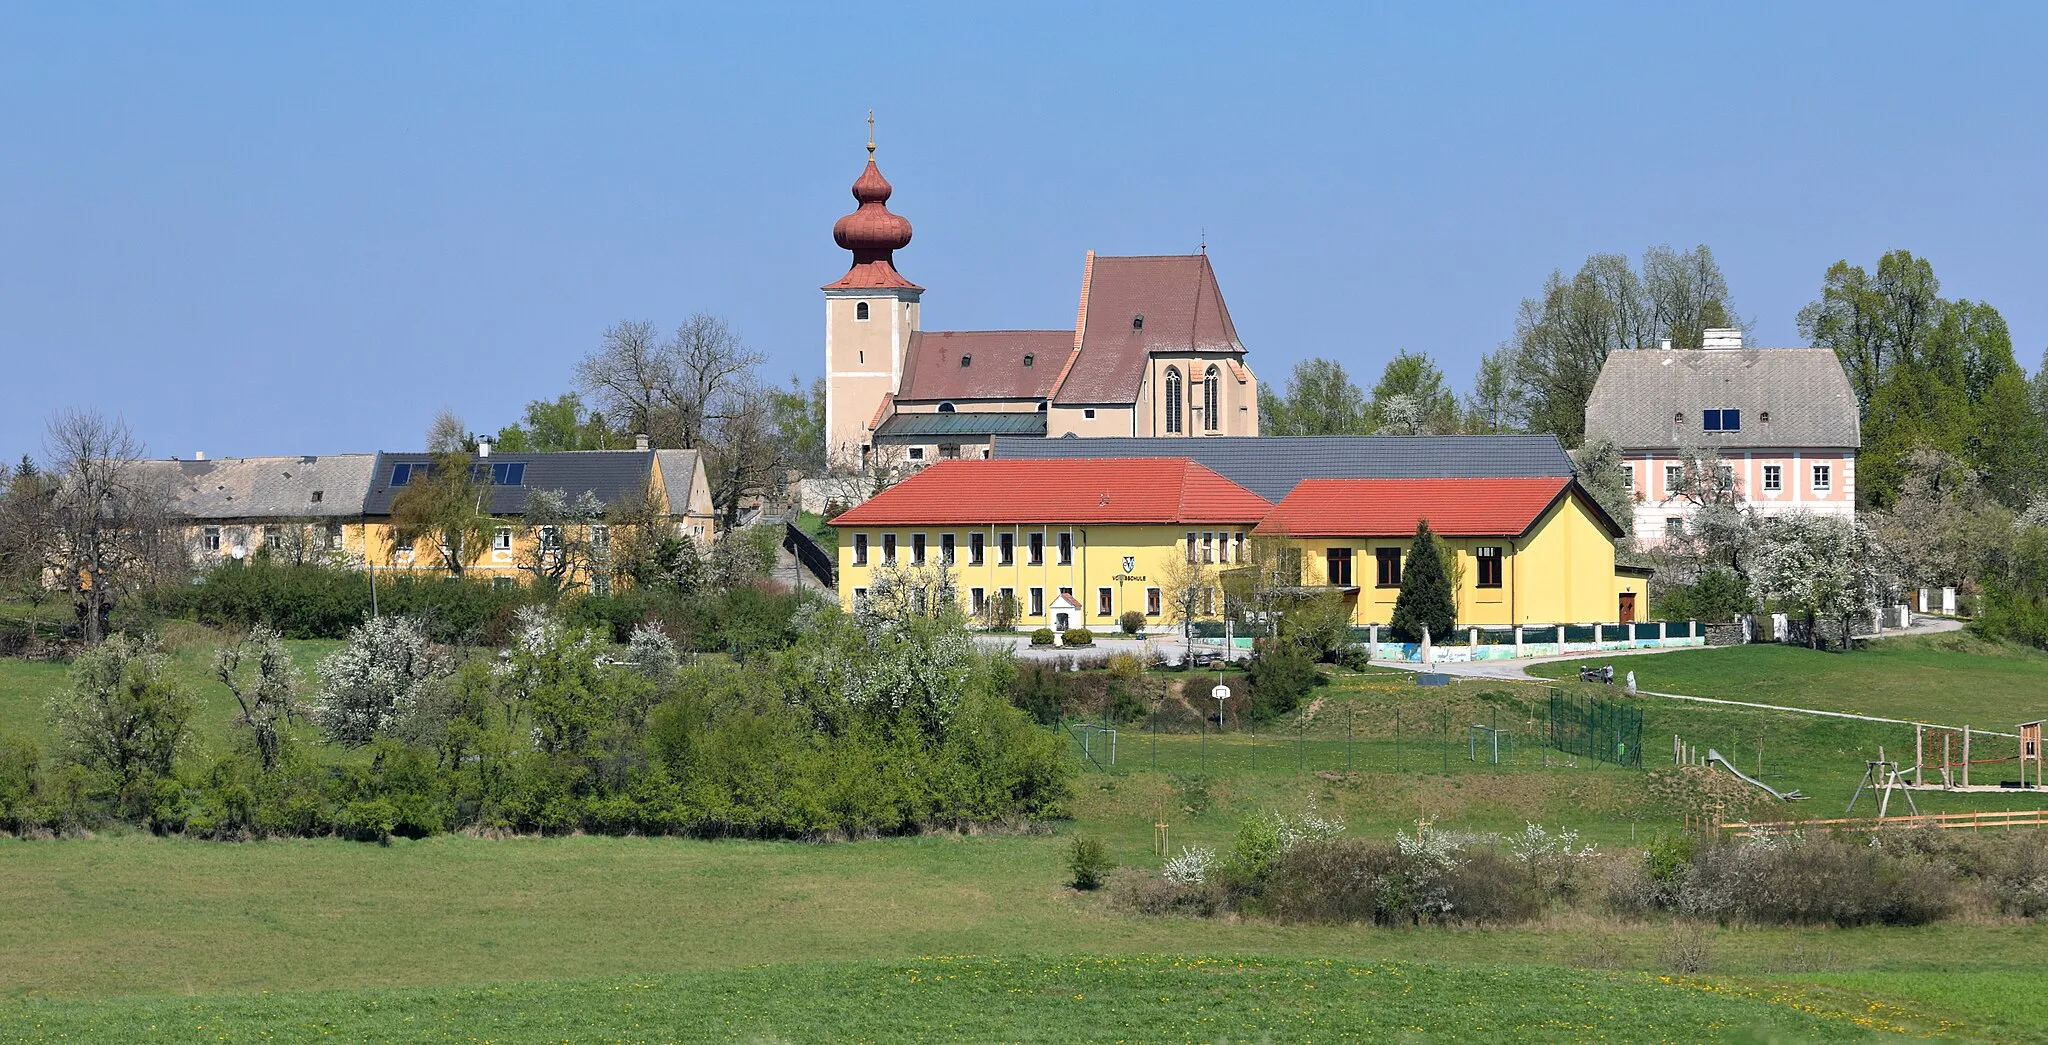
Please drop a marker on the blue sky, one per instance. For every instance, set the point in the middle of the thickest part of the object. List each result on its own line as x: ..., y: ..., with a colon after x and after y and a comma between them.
x: 293, y: 229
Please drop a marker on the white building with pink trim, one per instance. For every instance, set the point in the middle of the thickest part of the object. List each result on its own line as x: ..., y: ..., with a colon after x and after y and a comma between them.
x: 1782, y: 420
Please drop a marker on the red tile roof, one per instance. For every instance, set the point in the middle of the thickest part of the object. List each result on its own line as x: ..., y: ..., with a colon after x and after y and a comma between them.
x: 1082, y: 491
x: 932, y: 370
x: 1391, y: 507
x: 1183, y: 310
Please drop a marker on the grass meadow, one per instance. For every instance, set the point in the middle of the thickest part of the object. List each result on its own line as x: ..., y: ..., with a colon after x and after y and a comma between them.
x: 125, y: 937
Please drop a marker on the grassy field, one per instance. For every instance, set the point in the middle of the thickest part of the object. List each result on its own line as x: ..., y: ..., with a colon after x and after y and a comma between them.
x: 128, y: 937
x: 1951, y: 679
x: 1085, y: 999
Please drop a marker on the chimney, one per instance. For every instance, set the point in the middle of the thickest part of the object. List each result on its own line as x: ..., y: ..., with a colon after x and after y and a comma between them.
x: 1665, y: 344
x: 199, y: 455
x: 483, y: 448
x: 1721, y: 338
x: 640, y: 442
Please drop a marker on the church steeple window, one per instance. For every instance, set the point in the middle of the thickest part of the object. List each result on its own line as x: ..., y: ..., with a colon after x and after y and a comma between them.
x: 1212, y: 394
x: 860, y: 310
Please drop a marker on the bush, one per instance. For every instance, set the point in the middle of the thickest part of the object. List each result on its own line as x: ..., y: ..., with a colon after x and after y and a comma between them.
x: 1088, y: 861
x: 1042, y: 637
x: 1149, y: 892
x: 1077, y: 637
x: 1814, y: 880
x: 1132, y: 622
x: 1278, y: 678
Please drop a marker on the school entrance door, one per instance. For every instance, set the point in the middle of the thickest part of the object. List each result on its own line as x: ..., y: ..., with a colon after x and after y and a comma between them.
x: 1628, y: 607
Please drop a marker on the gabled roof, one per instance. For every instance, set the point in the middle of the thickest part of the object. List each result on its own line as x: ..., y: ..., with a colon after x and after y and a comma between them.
x: 1113, y: 490
x: 995, y: 367
x: 1392, y: 507
x: 1270, y: 466
x: 308, y: 487
x: 679, y: 469
x: 1183, y: 310
x: 981, y: 424
x: 1641, y: 397
x: 612, y: 476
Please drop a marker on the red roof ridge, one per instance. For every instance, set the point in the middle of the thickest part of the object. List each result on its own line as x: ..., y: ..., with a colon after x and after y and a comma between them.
x: 1080, y: 324
x: 1076, y: 491
x: 882, y: 410
x: 1456, y: 507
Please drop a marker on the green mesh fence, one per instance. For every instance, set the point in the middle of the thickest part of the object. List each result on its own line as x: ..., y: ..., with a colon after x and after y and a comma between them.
x: 1590, y: 727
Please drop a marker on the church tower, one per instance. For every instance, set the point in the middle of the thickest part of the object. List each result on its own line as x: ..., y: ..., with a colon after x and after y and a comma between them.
x: 870, y: 314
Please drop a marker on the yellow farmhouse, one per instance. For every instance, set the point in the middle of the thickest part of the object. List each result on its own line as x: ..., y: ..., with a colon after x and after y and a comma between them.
x: 1526, y: 550
x: 1074, y: 543
x: 1078, y: 542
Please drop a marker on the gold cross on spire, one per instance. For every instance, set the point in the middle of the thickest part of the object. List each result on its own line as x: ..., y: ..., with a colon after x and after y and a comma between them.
x: 871, y: 134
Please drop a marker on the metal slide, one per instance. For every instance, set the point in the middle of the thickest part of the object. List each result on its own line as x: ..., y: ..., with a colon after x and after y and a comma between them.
x: 1782, y: 796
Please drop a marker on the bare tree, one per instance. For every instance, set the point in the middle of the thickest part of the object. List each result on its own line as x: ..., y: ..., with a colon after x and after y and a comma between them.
x: 1187, y: 586
x: 710, y: 368
x: 631, y: 375
x: 745, y: 454
x: 267, y: 694
x: 448, y: 435
x: 108, y: 520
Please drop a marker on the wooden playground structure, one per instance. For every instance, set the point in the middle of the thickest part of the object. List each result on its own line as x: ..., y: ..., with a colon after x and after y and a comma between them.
x: 1954, y: 747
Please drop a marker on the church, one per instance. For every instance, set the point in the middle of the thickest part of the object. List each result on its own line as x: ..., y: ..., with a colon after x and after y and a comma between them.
x: 1151, y: 353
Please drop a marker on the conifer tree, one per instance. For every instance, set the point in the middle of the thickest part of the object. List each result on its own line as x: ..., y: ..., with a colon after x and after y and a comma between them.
x: 1426, y: 598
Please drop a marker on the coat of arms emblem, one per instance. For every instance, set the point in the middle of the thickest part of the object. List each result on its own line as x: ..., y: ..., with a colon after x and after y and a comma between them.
x: 1130, y: 563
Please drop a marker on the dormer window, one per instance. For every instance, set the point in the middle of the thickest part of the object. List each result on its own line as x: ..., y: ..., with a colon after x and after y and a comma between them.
x: 1765, y: 417
x: 860, y: 310
x: 1138, y: 321
x: 1041, y: 406
x: 1028, y: 357
x: 966, y: 358
x: 1721, y: 420
x: 945, y: 408
x: 1678, y: 417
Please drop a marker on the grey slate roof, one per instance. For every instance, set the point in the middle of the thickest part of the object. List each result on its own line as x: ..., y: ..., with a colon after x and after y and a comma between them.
x: 933, y: 426
x: 1640, y: 396
x: 332, y: 486
x: 1270, y: 465
x: 612, y: 475
x: 678, y: 473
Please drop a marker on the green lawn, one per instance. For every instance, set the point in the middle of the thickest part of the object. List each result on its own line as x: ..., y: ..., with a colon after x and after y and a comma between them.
x: 1951, y: 679
x: 129, y: 937
x: 1035, y: 999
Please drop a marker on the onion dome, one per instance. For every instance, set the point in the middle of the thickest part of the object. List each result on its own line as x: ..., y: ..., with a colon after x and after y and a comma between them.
x: 871, y: 232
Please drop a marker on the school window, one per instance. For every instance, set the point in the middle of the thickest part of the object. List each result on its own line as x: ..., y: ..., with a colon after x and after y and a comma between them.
x: 1151, y: 602
x: 917, y: 549
x: 1208, y: 602
x: 402, y: 545
x: 209, y: 538
x: 1038, y: 602
x: 1674, y: 475
x: 1387, y: 562
x: 1037, y: 549
x: 1066, y: 549
x: 1006, y: 549
x: 1774, y: 478
x: 917, y: 600
x: 1721, y: 420
x: 977, y: 548
x: 1823, y: 477
x: 1104, y: 602
x: 1724, y: 475
x: 1338, y: 566
x: 1674, y: 527
x: 977, y: 600
x: 501, y: 539
x: 860, y: 549
x: 1006, y: 600
x: 1191, y: 545
x: 549, y: 540
x: 600, y: 584
x: 501, y: 583
x: 860, y: 595
x: 1628, y: 477
x: 1208, y: 546
x: 1489, y: 565
x: 1067, y: 590
x: 946, y: 548
x: 1237, y: 547
x: 889, y: 549
x: 600, y: 539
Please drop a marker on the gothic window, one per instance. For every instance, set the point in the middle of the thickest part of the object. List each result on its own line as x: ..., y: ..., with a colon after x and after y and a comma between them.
x: 1172, y: 400
x: 1212, y: 394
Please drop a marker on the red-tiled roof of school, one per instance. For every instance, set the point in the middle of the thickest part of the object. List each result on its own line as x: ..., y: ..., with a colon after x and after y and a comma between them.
x: 1183, y: 312
x: 1084, y: 491
x: 1391, y: 507
x: 996, y: 367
